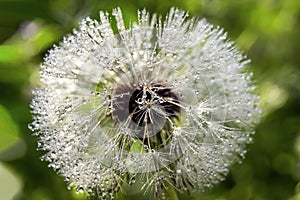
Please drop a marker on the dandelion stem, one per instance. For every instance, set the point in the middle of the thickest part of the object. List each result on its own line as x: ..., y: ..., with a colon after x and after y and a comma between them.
x: 171, y: 194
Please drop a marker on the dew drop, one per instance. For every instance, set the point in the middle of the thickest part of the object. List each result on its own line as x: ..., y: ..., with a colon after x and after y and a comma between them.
x: 79, y: 190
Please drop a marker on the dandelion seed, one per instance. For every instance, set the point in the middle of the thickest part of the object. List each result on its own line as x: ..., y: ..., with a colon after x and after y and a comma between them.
x: 165, y: 101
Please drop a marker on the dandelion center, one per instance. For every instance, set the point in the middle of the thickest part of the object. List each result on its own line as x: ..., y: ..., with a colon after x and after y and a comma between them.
x: 149, y: 111
x: 152, y: 102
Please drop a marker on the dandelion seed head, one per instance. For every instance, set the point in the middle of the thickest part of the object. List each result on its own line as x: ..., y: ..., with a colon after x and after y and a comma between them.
x: 165, y: 101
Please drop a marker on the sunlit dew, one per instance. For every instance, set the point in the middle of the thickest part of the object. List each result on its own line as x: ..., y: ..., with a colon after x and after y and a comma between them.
x: 164, y: 103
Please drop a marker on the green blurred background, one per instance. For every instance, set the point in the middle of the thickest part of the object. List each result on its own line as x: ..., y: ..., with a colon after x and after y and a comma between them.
x: 267, y: 30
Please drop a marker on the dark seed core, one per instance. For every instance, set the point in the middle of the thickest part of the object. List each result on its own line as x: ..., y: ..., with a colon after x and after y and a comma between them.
x: 171, y: 106
x: 150, y: 110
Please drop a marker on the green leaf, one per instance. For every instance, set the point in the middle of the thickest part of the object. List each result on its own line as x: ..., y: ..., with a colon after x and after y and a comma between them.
x: 10, y: 184
x: 43, y: 39
x: 10, y: 54
x: 9, y: 132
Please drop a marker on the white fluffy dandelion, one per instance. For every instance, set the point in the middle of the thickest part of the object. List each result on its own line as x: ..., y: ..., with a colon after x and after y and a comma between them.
x: 165, y: 101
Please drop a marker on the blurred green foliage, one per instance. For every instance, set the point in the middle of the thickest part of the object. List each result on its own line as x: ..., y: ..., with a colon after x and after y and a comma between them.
x: 267, y: 30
